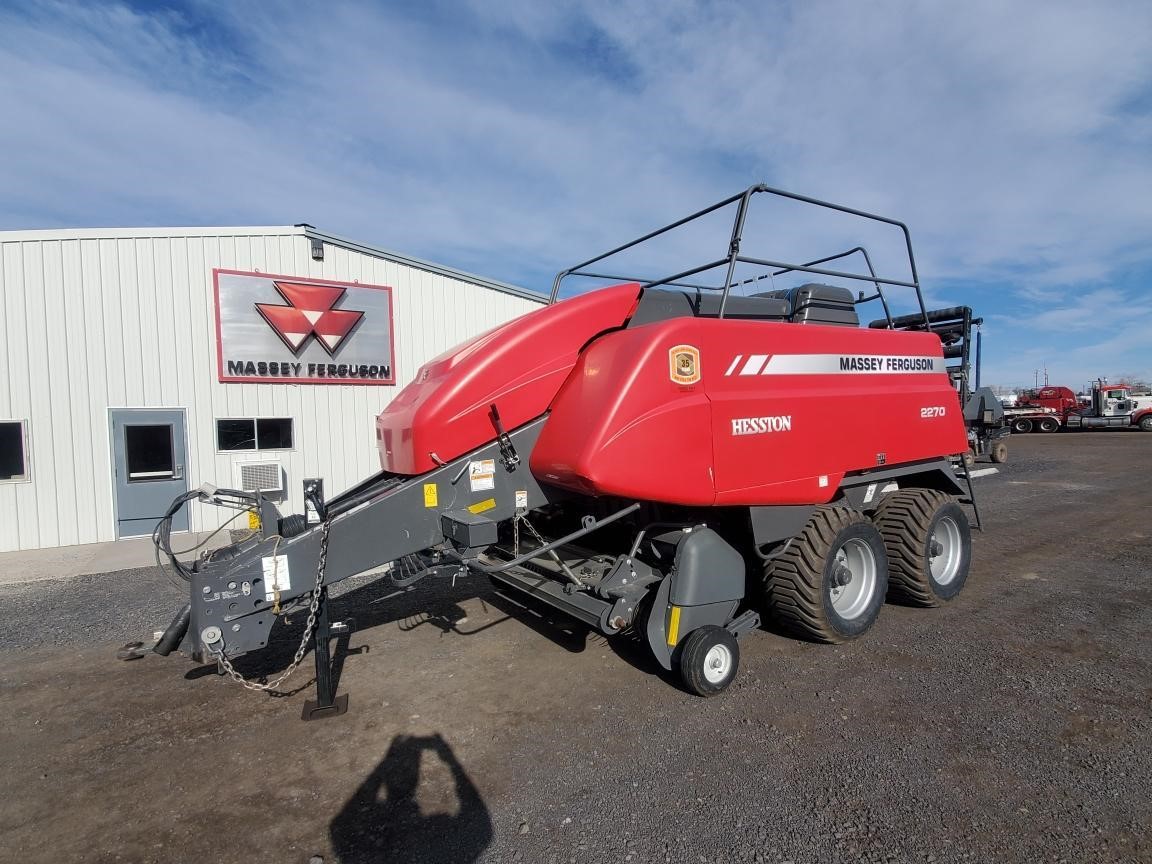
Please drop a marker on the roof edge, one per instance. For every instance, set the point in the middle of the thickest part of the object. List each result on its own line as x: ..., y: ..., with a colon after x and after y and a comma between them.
x: 35, y: 234
x: 428, y: 266
x: 55, y: 234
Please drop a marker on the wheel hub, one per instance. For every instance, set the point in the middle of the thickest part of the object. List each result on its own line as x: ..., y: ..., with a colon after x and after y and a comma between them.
x: 717, y: 662
x: 841, y: 576
x: 852, y: 579
x: 945, y: 551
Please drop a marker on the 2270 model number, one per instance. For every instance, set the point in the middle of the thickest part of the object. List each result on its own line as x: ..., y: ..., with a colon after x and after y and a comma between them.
x: 932, y: 411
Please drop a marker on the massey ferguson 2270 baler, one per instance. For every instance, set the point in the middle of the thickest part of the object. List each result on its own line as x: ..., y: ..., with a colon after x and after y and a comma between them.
x: 668, y: 458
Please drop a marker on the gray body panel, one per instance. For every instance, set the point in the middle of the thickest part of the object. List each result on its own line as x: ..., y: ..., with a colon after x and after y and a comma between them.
x: 707, y: 570
x: 397, y: 523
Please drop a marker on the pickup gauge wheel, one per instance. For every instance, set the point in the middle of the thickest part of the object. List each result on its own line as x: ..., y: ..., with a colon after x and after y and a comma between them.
x: 830, y: 583
x: 999, y: 453
x: 929, y: 546
x: 708, y: 660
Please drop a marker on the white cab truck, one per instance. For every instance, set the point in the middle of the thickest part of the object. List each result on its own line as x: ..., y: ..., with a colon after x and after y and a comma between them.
x: 1113, y: 406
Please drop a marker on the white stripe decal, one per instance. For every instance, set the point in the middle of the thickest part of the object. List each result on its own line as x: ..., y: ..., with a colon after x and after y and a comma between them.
x: 754, y: 364
x: 852, y: 364
x: 732, y: 368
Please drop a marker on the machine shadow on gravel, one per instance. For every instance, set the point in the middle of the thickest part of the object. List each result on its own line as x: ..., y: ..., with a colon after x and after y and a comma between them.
x: 383, y: 821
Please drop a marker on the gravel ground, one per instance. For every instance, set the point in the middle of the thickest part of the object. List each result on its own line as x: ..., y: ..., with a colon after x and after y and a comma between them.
x: 1012, y: 725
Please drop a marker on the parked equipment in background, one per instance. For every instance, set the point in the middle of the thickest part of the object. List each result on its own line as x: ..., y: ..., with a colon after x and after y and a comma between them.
x: 1113, y: 407
x: 1041, y: 410
x: 659, y: 458
x: 984, y: 415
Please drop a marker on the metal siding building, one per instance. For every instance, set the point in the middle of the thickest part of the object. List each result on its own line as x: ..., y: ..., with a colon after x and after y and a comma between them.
x: 97, y: 320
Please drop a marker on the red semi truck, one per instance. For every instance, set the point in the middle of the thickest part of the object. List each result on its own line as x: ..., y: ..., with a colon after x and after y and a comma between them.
x: 1041, y: 410
x: 1112, y: 407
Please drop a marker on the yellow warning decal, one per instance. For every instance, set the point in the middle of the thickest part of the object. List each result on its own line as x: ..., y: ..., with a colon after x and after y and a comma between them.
x: 673, y: 626
x: 431, y: 495
x: 482, y: 506
x: 253, y: 520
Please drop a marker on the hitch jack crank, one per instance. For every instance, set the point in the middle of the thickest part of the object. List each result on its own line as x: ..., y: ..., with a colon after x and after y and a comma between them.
x: 326, y: 704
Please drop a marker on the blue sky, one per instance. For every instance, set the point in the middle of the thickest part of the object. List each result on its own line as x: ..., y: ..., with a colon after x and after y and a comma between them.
x: 512, y: 138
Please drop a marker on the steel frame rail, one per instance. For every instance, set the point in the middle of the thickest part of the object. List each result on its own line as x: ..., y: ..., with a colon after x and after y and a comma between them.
x: 733, y: 257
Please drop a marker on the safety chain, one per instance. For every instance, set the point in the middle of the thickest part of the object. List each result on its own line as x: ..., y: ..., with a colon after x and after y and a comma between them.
x: 313, y: 611
x: 522, y: 518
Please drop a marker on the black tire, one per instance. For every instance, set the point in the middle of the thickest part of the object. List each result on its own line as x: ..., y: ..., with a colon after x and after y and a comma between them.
x: 709, y: 659
x: 910, y: 521
x: 1145, y: 423
x: 1048, y: 424
x: 999, y: 453
x: 1022, y: 425
x: 801, y: 587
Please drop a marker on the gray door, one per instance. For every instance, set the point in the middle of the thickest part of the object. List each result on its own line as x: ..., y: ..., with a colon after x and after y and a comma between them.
x: 148, y: 461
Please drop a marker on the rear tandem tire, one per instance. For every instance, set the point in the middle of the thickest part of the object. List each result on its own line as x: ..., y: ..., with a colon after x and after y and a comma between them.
x: 999, y: 453
x: 708, y: 660
x: 1022, y: 425
x: 1049, y: 424
x: 803, y: 589
x: 913, y: 522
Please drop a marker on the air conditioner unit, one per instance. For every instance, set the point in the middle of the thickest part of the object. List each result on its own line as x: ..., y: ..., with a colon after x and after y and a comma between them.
x: 260, y: 476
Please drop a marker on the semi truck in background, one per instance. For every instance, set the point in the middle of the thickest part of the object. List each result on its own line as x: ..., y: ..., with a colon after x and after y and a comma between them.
x: 1113, y: 407
x: 1041, y: 410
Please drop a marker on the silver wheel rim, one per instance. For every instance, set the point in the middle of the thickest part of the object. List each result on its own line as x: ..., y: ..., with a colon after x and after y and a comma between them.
x: 852, y: 600
x: 717, y: 663
x: 945, y: 564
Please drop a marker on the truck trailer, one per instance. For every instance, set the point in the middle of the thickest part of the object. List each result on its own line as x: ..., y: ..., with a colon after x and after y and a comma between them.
x: 671, y: 459
x: 1041, y: 410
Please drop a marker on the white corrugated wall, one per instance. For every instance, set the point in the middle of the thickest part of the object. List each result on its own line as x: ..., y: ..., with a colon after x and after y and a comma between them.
x: 93, y: 320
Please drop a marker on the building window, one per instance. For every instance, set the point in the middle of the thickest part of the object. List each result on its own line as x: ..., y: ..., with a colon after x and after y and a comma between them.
x: 149, y: 453
x: 259, y: 433
x: 13, y: 452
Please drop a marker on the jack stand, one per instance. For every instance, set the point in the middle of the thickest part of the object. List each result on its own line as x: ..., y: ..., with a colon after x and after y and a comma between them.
x: 325, y: 704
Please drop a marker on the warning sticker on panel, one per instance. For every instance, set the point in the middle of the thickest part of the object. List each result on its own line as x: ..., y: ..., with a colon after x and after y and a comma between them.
x: 276, y: 576
x: 482, y: 506
x: 431, y: 495
x: 521, y: 499
x: 482, y: 474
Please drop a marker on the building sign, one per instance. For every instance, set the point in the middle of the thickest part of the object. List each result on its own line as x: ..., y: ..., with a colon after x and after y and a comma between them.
x: 283, y: 329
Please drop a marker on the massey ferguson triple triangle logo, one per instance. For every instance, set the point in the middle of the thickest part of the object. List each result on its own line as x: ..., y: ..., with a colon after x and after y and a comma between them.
x: 276, y: 329
x: 310, y: 312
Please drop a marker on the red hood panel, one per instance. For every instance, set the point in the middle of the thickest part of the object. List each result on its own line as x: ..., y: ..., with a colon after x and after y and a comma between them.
x: 517, y: 366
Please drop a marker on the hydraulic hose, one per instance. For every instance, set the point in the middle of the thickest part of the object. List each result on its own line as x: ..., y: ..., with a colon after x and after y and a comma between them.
x: 174, y: 635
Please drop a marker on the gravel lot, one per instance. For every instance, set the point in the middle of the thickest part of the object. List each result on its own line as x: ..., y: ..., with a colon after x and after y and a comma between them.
x: 1012, y: 725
